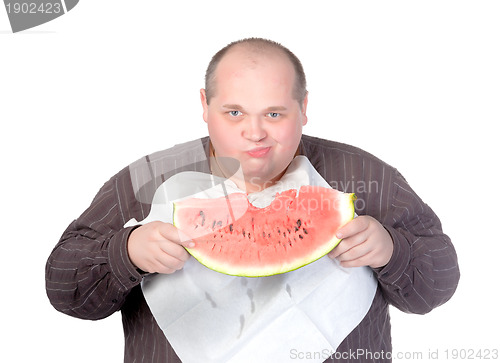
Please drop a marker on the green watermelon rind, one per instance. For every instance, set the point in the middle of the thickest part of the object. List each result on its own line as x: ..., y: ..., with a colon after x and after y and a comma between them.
x: 347, y: 203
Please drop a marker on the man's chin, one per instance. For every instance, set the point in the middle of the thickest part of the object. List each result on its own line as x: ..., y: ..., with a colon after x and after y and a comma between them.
x: 260, y: 181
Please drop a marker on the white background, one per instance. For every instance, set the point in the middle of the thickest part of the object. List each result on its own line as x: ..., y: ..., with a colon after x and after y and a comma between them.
x: 415, y: 83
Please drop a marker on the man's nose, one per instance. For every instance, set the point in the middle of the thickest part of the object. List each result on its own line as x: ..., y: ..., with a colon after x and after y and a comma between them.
x: 254, y: 129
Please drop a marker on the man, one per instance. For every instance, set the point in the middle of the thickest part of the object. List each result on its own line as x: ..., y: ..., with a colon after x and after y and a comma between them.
x: 254, y: 104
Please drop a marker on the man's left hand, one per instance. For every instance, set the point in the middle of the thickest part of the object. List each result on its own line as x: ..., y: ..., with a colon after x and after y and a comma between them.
x: 365, y: 242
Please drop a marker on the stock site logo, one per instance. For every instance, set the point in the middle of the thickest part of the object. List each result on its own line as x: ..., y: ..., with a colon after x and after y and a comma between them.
x: 26, y: 14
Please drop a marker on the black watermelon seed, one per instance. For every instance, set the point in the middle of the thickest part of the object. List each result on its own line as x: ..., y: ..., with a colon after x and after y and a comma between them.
x: 305, y: 231
x: 299, y: 223
x: 301, y: 236
x: 231, y: 227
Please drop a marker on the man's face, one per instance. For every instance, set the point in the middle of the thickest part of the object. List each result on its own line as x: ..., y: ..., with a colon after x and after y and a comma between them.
x: 253, y: 117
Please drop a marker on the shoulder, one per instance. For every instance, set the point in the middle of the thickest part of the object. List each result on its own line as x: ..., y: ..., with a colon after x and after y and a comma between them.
x: 160, y: 161
x: 140, y: 179
x: 149, y: 172
x: 183, y: 152
x: 132, y: 188
x: 321, y: 151
x: 352, y: 170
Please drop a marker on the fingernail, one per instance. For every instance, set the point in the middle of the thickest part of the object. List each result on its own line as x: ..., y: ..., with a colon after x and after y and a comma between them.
x: 339, y: 235
x: 191, y: 244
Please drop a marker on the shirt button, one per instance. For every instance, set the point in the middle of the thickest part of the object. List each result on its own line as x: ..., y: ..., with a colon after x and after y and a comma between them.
x: 133, y: 279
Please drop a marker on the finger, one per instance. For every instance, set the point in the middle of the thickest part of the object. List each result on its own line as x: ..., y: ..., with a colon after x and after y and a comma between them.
x: 174, y: 250
x: 356, y: 253
x: 173, y: 234
x: 168, y: 264
x: 353, y: 227
x: 359, y: 262
x: 349, y: 243
x: 339, y: 249
x: 363, y: 260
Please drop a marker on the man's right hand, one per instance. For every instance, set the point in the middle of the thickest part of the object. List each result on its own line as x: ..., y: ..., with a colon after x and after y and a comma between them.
x: 158, y: 247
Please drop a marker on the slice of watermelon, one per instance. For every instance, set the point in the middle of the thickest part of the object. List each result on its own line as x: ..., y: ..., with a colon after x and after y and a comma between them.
x: 236, y: 238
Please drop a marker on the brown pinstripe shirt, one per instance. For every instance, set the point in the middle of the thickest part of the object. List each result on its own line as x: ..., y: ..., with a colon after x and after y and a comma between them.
x: 89, y: 274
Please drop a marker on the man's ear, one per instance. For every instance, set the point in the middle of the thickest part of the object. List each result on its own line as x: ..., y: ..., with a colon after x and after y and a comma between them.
x: 204, y: 104
x: 304, y: 110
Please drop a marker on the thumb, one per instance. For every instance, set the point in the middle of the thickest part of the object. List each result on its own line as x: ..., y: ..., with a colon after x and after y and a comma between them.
x: 352, y: 227
x: 175, y: 235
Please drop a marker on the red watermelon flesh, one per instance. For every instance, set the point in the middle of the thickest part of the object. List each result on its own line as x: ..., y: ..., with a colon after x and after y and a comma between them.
x: 236, y: 238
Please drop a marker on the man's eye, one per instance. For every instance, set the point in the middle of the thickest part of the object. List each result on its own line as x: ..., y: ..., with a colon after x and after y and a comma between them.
x: 274, y: 114
x: 235, y: 113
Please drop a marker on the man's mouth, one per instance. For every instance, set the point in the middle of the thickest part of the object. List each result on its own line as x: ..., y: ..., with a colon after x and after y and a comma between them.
x: 258, y: 152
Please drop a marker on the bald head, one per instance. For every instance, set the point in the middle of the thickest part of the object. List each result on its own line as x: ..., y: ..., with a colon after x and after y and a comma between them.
x: 253, y: 51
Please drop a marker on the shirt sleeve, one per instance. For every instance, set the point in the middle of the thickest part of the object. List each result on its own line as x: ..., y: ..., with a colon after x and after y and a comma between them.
x: 423, y: 272
x: 89, y: 273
